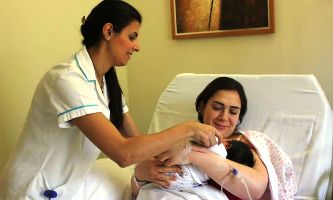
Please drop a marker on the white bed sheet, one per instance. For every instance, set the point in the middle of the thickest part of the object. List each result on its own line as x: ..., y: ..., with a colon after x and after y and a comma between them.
x: 291, y: 109
x: 106, y: 181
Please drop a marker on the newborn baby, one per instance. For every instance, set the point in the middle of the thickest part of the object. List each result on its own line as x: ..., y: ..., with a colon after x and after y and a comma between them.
x: 234, y: 150
x: 191, y: 176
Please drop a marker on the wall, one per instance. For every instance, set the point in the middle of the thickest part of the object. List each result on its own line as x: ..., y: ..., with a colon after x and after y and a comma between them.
x: 301, y: 44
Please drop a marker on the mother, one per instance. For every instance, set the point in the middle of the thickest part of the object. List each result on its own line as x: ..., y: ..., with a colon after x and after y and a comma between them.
x: 223, y: 104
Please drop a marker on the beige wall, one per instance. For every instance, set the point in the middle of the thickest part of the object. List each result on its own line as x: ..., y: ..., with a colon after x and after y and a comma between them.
x: 37, y: 34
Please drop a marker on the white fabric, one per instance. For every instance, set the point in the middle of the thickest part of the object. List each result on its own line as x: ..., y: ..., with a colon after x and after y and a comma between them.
x: 290, y: 109
x: 52, y: 154
x: 106, y: 181
x: 204, y: 192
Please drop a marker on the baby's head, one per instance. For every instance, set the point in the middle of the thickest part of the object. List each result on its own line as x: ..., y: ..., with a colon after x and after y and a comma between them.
x: 240, y: 152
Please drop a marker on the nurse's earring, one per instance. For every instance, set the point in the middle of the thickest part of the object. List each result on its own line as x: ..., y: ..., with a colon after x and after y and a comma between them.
x: 108, y: 36
x: 107, y: 31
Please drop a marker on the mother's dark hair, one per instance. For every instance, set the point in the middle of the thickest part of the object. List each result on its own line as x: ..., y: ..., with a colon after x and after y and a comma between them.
x: 221, y: 83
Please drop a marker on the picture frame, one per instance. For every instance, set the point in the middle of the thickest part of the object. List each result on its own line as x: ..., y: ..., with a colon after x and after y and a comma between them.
x: 214, y: 18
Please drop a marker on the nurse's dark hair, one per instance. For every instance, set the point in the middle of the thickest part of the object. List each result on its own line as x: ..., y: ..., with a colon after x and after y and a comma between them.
x: 120, y: 14
x: 221, y: 83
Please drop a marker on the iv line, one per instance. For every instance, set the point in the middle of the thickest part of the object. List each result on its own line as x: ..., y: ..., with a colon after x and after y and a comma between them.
x: 235, y: 172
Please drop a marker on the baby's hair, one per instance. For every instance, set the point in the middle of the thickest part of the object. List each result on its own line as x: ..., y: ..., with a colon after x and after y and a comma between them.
x: 240, y: 152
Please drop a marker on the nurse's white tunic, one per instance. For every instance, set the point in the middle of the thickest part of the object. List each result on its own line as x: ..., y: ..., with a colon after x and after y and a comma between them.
x: 52, y: 154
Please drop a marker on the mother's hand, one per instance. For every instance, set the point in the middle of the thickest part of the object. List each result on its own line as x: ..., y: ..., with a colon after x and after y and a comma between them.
x: 154, y: 171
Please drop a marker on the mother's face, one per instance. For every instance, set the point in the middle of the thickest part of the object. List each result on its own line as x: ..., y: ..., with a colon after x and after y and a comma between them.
x: 222, y: 111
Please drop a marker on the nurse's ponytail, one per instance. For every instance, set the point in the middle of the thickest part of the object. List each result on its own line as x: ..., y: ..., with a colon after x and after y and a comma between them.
x: 115, y: 98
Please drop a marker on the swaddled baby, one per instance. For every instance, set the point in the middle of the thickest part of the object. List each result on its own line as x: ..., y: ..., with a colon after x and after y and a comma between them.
x: 192, y: 176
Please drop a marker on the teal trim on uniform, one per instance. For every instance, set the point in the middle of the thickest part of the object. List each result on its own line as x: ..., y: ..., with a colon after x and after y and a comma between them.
x: 78, y: 64
x: 67, y: 111
x: 91, y: 81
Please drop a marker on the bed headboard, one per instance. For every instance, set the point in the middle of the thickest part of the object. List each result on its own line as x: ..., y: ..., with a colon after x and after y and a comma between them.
x: 291, y: 109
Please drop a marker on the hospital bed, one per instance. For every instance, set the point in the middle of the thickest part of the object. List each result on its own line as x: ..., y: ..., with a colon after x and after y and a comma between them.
x: 291, y: 109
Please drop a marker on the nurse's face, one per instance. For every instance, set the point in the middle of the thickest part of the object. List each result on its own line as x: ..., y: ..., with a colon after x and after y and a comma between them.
x: 222, y: 111
x: 124, y: 44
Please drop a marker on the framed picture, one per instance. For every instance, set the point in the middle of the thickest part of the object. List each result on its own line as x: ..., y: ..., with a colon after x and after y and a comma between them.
x: 212, y: 18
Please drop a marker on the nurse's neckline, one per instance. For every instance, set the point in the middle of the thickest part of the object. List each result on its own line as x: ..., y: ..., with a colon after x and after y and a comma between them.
x: 99, y: 79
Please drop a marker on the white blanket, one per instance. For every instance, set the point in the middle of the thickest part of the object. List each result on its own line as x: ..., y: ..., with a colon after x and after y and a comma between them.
x: 155, y: 192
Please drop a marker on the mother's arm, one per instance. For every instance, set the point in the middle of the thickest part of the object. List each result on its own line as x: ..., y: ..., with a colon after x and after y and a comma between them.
x: 219, y: 169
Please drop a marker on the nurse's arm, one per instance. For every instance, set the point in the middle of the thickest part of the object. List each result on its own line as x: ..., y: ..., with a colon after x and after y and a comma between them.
x: 127, y: 151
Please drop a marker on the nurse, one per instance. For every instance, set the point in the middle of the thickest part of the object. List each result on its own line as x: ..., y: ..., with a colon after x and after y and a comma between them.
x: 78, y: 110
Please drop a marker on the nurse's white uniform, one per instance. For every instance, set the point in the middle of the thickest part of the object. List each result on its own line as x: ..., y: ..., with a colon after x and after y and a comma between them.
x: 52, y: 154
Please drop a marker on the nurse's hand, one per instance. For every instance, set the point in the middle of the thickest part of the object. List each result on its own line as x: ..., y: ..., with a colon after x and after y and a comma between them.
x: 205, y: 135
x: 154, y: 171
